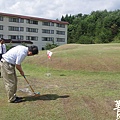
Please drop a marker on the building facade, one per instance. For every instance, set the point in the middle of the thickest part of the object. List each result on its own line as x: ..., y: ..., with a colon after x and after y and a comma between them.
x: 39, y: 31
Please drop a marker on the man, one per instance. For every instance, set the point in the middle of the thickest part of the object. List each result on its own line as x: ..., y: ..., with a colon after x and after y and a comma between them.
x: 2, y: 51
x: 9, y: 61
x: 2, y: 47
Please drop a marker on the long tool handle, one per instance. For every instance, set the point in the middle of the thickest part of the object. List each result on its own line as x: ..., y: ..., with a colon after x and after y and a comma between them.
x: 29, y: 84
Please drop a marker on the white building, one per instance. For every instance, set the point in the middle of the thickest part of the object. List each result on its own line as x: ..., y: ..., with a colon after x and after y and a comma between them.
x: 39, y: 31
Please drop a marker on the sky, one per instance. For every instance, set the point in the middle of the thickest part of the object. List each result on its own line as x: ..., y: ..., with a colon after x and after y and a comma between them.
x: 55, y: 9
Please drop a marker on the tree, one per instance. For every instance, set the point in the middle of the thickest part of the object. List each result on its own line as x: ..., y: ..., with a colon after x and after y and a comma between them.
x: 97, y: 27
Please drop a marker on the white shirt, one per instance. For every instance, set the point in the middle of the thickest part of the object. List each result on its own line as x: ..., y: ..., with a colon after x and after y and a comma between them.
x: 4, y: 48
x: 16, y: 54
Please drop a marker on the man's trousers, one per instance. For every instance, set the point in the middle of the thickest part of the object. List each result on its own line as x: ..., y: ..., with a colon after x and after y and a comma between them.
x: 10, y: 79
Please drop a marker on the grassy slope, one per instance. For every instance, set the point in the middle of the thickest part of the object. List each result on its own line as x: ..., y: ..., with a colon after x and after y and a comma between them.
x: 83, y: 85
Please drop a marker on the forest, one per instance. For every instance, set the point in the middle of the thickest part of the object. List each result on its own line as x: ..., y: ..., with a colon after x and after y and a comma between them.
x: 96, y: 27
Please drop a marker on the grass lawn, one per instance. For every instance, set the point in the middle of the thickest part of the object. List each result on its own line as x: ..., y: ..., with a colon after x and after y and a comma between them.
x: 83, y: 84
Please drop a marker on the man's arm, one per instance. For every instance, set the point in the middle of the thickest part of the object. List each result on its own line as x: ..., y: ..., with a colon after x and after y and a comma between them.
x: 19, y: 68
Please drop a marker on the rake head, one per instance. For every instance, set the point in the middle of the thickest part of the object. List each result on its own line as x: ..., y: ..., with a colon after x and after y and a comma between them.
x: 36, y: 94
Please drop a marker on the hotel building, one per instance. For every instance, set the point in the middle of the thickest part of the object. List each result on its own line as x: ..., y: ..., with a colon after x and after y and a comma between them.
x: 19, y: 29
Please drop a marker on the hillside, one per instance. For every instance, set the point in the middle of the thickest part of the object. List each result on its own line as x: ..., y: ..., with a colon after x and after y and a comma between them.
x: 90, y: 57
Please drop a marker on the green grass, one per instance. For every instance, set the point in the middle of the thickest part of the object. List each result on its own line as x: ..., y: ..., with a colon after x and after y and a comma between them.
x: 84, y: 83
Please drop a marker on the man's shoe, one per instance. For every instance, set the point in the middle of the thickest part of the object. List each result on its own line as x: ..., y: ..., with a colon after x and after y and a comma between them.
x: 19, y: 97
x: 17, y: 100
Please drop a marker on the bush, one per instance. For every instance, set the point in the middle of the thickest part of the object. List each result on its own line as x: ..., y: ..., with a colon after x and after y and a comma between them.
x: 85, y: 40
x: 50, y: 46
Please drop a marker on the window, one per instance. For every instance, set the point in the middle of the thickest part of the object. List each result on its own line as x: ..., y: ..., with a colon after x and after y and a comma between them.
x: 21, y: 28
x: 32, y: 22
x: 47, y: 39
x: 35, y: 38
x: 60, y: 25
x: 18, y: 20
x: 21, y: 20
x: 1, y: 35
x: 47, y: 31
x: 46, y: 23
x: 13, y: 28
x: 32, y: 30
x: 60, y: 39
x: 52, y: 24
x: 16, y: 37
x: 1, y: 18
x: 1, y: 27
x: 52, y: 31
x: 60, y: 32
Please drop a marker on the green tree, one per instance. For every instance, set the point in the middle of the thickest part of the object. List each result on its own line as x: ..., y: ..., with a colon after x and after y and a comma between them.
x: 97, y: 27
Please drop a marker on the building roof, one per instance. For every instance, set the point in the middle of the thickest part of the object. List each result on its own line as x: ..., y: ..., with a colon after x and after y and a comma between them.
x: 33, y: 18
